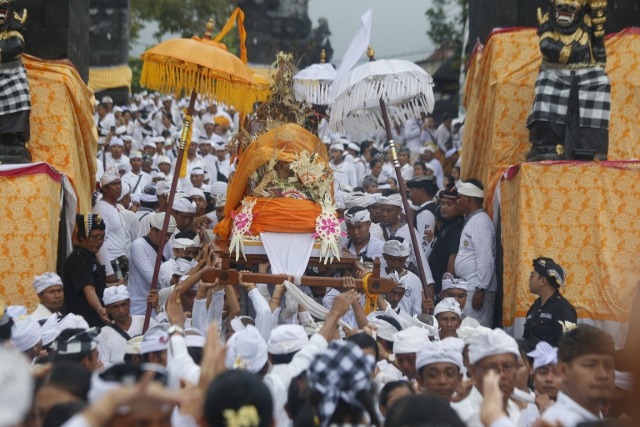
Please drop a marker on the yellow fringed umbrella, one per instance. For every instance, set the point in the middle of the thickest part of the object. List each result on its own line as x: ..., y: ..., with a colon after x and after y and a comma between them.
x: 198, y: 65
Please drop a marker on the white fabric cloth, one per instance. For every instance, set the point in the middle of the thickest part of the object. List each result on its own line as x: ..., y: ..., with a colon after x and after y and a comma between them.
x: 137, y: 182
x: 568, y: 412
x: 112, y: 346
x: 287, y: 339
x: 438, y: 171
x: 246, y: 349
x: 468, y: 409
x: 471, y: 190
x: 372, y: 250
x: 141, y: 263
x: 448, y: 304
x: 543, y: 355
x: 288, y: 253
x: 25, y: 333
x: 132, y: 225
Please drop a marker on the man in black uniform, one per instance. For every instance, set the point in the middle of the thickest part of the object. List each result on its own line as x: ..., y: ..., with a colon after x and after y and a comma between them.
x: 84, y: 278
x: 444, y: 246
x: 551, y: 308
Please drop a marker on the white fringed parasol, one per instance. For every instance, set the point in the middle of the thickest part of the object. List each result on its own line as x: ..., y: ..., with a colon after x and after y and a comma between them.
x: 405, y: 88
x: 312, y: 84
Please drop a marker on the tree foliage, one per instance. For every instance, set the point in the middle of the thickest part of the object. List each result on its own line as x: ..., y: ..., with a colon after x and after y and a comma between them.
x: 447, y: 19
x: 184, y: 17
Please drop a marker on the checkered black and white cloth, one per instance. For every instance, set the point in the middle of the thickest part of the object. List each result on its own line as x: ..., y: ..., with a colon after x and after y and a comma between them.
x: 80, y: 343
x: 552, y: 96
x: 14, y: 88
x: 341, y: 372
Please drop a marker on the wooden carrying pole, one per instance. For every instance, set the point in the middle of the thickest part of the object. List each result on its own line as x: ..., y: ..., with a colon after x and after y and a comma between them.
x: 172, y: 193
x: 403, y: 192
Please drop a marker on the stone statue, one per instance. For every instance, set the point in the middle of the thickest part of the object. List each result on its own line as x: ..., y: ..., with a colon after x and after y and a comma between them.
x: 570, y: 115
x: 15, y: 103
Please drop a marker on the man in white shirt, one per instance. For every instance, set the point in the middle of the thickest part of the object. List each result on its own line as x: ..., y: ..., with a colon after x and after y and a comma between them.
x: 49, y: 288
x: 490, y: 350
x: 444, y: 134
x: 115, y: 157
x: 113, y: 337
x: 422, y: 190
x: 117, y: 239
x: 587, y: 373
x: 359, y: 241
x: 222, y: 166
x: 412, y: 135
x: 395, y: 255
x: 476, y: 256
x: 405, y: 346
x: 427, y: 156
x: 143, y: 258
x: 136, y: 177
x: 344, y: 174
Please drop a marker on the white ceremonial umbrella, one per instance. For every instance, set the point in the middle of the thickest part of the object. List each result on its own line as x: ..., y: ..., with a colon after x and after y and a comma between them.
x: 365, y: 99
x: 312, y: 84
x: 405, y: 88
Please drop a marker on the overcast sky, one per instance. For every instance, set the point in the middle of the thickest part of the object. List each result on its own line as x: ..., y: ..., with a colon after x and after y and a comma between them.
x: 399, y: 28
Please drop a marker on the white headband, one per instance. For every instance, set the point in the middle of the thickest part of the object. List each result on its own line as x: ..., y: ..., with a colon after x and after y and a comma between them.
x: 114, y: 294
x: 358, y: 217
x: 45, y: 281
x: 470, y: 190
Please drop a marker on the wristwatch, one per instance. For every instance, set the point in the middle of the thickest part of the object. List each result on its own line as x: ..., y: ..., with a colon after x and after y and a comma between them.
x: 175, y: 329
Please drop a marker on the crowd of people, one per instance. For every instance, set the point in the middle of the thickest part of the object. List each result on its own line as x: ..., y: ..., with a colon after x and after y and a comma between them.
x: 103, y: 348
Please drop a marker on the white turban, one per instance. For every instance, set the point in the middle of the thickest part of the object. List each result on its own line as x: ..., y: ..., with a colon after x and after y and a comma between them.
x: 543, y: 355
x: 490, y: 342
x: 116, y: 141
x: 337, y: 146
x: 25, y: 333
x: 182, y: 204
x: 357, y: 217
x: 45, y: 281
x: 246, y: 349
x: 158, y: 176
x: 396, y: 248
x: 154, y: 340
x: 470, y: 190
x: 353, y: 146
x: 162, y: 188
x: 448, y: 304
x: 126, y: 189
x: 114, y: 294
x: 197, y: 170
x: 219, y: 187
x: 358, y: 198
x: 237, y: 325
x: 409, y: 340
x: 449, y: 282
x: 109, y: 176
x: 194, y: 338
x: 196, y: 192
x: 431, y: 329
x: 49, y: 329
x: 184, y: 243
x: 287, y: 339
x: 135, y: 154
x: 386, y: 330
x: 72, y: 321
x: 448, y: 350
x: 148, y: 198
x: 163, y: 159
x: 16, y: 387
x: 158, y: 219
x: 392, y: 200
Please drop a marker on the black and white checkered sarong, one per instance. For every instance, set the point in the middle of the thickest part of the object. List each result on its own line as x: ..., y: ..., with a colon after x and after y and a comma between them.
x: 552, y: 96
x: 14, y: 88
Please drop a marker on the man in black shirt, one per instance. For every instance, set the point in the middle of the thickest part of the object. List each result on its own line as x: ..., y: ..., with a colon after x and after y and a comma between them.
x: 551, y: 308
x: 84, y: 277
x: 444, y: 246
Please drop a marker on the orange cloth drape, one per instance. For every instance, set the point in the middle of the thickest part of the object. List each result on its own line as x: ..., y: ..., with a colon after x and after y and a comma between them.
x: 584, y: 215
x: 278, y: 215
x: 499, y: 95
x: 285, y: 142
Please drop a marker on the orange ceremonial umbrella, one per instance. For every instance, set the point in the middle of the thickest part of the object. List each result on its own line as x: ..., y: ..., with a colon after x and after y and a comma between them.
x: 198, y: 65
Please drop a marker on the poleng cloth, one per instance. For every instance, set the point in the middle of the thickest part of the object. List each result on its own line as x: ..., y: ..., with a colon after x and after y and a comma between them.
x: 14, y: 88
x: 552, y: 91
